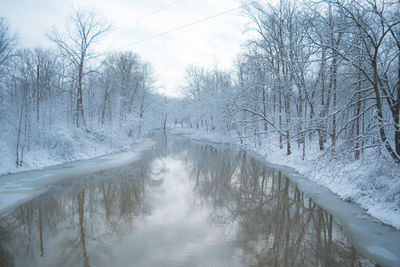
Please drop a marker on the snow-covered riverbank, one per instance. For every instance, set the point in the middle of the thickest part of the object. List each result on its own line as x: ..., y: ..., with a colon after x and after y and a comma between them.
x: 20, y: 187
x: 62, y: 145
x: 373, y: 182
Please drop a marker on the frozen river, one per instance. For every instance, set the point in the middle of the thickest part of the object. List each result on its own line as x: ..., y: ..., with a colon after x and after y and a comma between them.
x: 184, y: 203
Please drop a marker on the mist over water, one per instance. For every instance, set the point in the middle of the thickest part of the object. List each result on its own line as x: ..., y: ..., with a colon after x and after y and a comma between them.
x: 182, y: 204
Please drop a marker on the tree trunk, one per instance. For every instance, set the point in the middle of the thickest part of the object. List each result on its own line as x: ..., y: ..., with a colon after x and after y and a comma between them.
x: 334, y: 89
x: 103, y: 112
x: 287, y: 111
x: 321, y: 130
x: 357, y: 122
x: 37, y: 93
x: 397, y: 111
x: 79, y: 101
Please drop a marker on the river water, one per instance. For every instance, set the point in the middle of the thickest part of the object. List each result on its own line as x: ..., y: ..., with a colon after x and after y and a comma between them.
x: 182, y: 204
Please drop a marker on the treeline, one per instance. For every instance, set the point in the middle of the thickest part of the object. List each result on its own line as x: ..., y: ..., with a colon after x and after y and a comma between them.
x: 320, y: 72
x: 70, y: 86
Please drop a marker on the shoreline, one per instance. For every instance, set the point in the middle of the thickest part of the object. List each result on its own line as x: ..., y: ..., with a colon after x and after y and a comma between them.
x: 339, y: 179
x: 20, y: 187
x: 368, y: 234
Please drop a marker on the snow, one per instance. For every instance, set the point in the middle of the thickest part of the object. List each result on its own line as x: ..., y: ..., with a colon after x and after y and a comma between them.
x: 372, y: 182
x: 63, y: 144
x: 20, y: 187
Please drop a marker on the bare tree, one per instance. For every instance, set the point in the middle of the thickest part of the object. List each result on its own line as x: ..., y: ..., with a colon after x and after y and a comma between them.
x: 126, y: 82
x: 85, y: 29
x: 378, y: 25
x: 7, y: 41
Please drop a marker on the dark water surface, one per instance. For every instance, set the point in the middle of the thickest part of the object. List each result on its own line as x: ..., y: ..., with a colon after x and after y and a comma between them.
x: 182, y: 204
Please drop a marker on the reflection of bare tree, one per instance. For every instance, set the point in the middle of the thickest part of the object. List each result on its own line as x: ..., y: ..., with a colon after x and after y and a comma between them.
x: 60, y: 227
x: 107, y: 198
x: 274, y: 223
x: 82, y: 233
x: 41, y: 232
x: 277, y: 224
x: 6, y: 258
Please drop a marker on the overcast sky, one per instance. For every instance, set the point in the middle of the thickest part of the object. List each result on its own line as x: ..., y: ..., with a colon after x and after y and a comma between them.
x: 215, y: 41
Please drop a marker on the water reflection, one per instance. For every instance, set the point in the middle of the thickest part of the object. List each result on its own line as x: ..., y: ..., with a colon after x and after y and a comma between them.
x: 183, y: 204
x: 277, y: 224
x: 55, y: 229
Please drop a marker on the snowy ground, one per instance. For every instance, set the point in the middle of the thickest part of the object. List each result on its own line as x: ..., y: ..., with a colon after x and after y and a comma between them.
x: 61, y: 145
x: 373, y: 182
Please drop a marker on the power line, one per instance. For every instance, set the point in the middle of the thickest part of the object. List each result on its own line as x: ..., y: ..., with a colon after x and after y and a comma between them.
x: 184, y: 26
x: 147, y: 15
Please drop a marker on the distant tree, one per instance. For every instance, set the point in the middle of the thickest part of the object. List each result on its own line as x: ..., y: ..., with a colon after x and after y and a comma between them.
x: 22, y: 76
x: 45, y: 71
x: 209, y: 91
x: 126, y: 82
x: 8, y: 42
x: 84, y: 30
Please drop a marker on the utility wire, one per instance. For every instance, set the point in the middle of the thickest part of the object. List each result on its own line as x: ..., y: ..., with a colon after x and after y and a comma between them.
x: 147, y: 15
x: 184, y: 26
